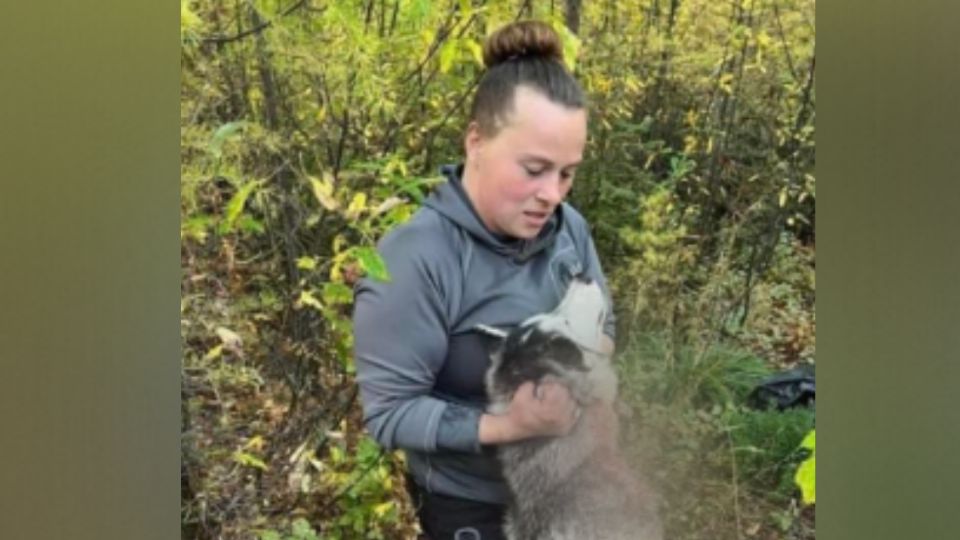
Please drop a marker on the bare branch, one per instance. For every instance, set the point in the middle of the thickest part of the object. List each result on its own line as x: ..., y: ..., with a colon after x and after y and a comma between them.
x: 258, y: 28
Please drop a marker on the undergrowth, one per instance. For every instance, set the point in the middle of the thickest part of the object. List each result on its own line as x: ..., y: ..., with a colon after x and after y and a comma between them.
x: 721, y: 468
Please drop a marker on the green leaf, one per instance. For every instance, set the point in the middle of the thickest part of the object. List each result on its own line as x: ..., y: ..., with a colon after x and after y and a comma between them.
x: 571, y: 46
x: 190, y: 22
x: 336, y: 294
x: 196, y: 227
x: 302, y: 530
x: 372, y: 263
x: 223, y: 133
x: 236, y: 204
x: 307, y: 263
x: 448, y: 53
x: 418, y: 11
x: 810, y: 441
x: 249, y: 460
x: 475, y: 51
x: 249, y: 224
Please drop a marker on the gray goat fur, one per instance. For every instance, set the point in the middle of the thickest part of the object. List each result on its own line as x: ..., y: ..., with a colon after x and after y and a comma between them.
x: 578, y: 486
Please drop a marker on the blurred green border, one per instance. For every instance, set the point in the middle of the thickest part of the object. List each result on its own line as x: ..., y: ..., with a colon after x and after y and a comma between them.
x: 89, y: 270
x: 888, y: 303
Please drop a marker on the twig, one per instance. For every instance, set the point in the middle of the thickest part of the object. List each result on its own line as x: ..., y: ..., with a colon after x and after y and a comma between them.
x: 783, y: 39
x: 258, y: 28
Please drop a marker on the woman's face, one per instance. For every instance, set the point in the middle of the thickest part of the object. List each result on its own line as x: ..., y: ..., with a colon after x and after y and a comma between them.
x: 517, y: 177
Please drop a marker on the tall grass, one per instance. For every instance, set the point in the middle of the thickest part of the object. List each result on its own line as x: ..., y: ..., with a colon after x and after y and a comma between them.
x: 721, y: 468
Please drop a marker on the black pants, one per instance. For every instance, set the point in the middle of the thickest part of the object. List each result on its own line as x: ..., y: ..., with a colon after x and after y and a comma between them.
x: 450, y: 518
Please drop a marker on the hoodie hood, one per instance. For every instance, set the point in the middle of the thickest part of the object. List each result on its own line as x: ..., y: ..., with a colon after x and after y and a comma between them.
x: 450, y: 200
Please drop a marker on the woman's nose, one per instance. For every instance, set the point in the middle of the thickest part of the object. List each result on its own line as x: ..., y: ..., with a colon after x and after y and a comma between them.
x: 550, y: 191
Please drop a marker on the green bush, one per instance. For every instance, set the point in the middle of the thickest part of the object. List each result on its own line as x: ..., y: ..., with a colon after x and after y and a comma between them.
x: 766, y: 446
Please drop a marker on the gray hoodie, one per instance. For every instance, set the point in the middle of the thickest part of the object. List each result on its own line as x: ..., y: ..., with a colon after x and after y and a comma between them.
x: 420, y: 361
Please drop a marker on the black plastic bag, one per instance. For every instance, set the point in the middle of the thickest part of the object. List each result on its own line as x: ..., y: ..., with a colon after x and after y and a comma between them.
x: 795, y: 387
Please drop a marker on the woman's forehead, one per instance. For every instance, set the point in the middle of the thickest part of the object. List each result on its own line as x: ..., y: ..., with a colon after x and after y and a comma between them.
x: 545, y: 130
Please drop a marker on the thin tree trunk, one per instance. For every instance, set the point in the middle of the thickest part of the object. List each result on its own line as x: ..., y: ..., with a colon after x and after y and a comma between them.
x: 573, y: 15
x: 393, y: 17
x: 270, y: 95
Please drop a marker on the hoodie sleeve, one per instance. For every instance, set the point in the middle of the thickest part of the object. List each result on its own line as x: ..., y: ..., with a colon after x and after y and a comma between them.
x: 400, y: 341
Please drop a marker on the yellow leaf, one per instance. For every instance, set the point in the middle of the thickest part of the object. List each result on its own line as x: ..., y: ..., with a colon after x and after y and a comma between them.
x: 806, y: 476
x: 336, y: 275
x: 783, y: 197
x: 323, y: 191
x: 307, y: 299
x: 338, y: 242
x: 764, y: 39
x: 724, y: 83
x: 255, y: 443
x: 357, y: 206
x: 213, y: 353
x: 307, y: 263
x: 244, y: 458
x: 649, y: 162
x: 189, y: 20
x: 386, y: 205
x: 381, y: 509
x: 229, y: 338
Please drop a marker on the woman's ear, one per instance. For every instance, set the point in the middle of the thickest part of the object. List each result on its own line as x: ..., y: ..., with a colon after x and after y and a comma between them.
x: 473, y: 141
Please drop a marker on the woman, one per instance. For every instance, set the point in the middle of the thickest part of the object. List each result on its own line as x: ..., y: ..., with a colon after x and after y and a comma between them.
x: 492, y: 246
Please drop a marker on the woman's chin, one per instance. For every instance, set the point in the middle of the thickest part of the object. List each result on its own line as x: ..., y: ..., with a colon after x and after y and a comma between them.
x: 525, y: 231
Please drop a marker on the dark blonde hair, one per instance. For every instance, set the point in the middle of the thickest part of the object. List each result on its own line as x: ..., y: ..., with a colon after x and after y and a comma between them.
x: 527, y: 53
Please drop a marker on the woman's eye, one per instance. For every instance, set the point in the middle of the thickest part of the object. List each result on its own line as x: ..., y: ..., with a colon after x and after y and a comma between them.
x: 534, y: 172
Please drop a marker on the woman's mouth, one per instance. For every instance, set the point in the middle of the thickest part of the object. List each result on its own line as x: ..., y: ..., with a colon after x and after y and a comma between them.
x: 537, y: 218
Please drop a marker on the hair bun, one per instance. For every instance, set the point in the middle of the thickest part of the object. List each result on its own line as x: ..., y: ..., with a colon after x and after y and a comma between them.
x: 520, y: 39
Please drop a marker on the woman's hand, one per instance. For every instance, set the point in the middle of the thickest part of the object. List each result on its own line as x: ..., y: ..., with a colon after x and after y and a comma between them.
x: 535, y: 411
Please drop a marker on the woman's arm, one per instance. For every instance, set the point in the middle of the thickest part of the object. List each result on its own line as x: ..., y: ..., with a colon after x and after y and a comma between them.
x: 400, y: 344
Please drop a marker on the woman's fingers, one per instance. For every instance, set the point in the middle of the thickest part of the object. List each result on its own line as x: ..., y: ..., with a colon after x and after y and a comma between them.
x: 545, y: 409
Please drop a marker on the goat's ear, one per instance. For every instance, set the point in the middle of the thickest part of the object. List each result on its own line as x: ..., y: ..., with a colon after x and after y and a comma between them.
x: 583, y: 277
x: 491, y: 331
x: 495, y: 339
